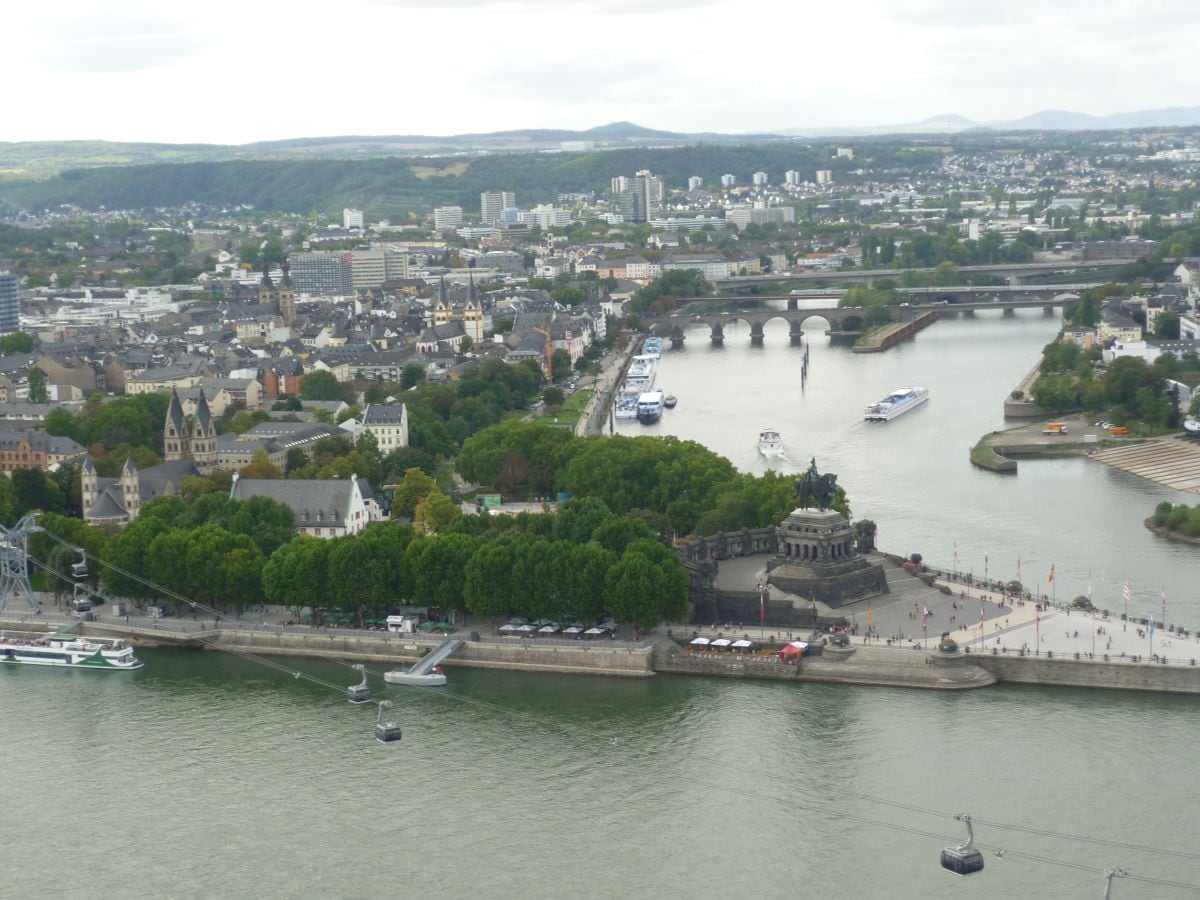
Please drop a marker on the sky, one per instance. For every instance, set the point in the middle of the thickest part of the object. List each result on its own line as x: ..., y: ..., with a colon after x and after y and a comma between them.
x: 238, y: 71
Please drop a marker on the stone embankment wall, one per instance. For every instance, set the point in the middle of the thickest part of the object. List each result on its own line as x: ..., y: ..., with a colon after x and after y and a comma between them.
x: 890, y: 335
x: 1024, y: 408
x: 584, y: 657
x: 1144, y: 674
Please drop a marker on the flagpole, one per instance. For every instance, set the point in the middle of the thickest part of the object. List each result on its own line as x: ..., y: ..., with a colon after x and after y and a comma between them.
x: 1125, y: 592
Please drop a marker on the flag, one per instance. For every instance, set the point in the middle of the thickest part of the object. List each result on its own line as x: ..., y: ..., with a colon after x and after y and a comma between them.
x: 981, y: 616
x: 1089, y: 584
x: 1125, y: 591
x: 1051, y: 578
x: 762, y: 606
x: 1018, y: 568
x: 1164, y: 600
x: 870, y: 615
x: 956, y: 554
x: 924, y: 618
x: 1152, y: 629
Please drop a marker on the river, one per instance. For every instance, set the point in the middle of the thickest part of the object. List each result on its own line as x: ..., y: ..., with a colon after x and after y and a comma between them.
x: 211, y: 775
x: 913, y: 476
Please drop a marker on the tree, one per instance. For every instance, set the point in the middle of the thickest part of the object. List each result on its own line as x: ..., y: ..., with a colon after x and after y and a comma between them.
x: 295, y: 575
x: 434, y: 512
x: 260, y: 466
x: 38, y: 391
x: 415, y: 487
x: 560, y: 365
x: 488, y: 584
x: 411, y: 375
x: 16, y: 342
x: 320, y: 384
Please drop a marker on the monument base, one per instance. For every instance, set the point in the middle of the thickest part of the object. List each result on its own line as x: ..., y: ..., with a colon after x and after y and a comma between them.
x: 833, y: 586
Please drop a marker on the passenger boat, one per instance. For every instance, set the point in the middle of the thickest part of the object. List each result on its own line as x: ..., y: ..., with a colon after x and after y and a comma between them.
x: 626, y: 405
x: 770, y: 443
x: 669, y: 401
x: 896, y: 403
x: 640, y: 376
x: 69, y: 650
x: 650, y: 407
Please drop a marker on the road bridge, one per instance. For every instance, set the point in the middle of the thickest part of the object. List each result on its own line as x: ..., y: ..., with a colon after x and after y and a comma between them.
x: 845, y: 321
x: 1013, y: 272
x: 957, y: 293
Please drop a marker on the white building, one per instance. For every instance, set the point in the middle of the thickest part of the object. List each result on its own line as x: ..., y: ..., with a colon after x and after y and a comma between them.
x: 387, y: 422
x: 695, y: 183
x: 447, y: 217
x: 759, y: 179
x: 352, y: 218
x: 728, y: 181
x: 324, y: 507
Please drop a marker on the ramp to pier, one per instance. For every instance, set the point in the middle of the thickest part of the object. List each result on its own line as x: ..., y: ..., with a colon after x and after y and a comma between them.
x: 425, y: 665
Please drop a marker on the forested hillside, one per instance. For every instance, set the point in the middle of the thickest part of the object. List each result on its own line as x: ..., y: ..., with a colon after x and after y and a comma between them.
x: 396, y: 186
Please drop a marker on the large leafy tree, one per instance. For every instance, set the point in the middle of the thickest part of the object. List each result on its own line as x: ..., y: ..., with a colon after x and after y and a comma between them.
x: 295, y: 575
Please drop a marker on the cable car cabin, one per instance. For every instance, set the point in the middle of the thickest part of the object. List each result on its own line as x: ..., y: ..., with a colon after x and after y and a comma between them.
x: 358, y: 693
x: 962, y: 860
x: 387, y: 732
x: 79, y: 570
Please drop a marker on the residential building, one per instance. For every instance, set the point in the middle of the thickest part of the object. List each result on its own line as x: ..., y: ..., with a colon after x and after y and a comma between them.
x: 695, y: 183
x: 728, y: 180
x: 324, y: 508
x: 352, y: 218
x: 824, y: 176
x: 759, y: 179
x: 640, y: 198
x: 387, y: 422
x: 32, y: 448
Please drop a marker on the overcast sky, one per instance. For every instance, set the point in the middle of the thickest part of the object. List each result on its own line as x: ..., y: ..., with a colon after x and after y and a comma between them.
x: 235, y: 71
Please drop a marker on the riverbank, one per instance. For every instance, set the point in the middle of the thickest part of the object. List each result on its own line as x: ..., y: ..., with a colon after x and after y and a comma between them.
x: 1025, y: 649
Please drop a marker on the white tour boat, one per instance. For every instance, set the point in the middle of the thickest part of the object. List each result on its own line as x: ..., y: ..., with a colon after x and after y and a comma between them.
x: 650, y: 407
x: 896, y: 403
x: 68, y: 650
x: 770, y: 443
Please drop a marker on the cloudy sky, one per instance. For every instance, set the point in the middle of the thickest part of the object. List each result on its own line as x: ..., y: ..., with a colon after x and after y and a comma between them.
x: 235, y: 71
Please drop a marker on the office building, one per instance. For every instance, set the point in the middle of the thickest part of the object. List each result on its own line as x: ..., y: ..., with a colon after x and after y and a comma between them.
x: 493, y: 203
x: 10, y: 308
x: 352, y: 218
x: 324, y: 274
x: 447, y: 217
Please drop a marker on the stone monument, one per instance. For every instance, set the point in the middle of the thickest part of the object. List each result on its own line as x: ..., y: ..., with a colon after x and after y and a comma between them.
x: 818, y: 556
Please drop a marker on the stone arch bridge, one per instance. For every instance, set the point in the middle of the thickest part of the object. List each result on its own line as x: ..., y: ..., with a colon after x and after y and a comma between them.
x: 851, y: 320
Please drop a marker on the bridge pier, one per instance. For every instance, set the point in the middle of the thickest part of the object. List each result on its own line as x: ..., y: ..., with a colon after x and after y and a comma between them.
x: 1009, y: 313
x: 796, y: 334
x: 718, y: 335
x: 1048, y: 311
x: 756, y: 334
x: 793, y: 304
x: 677, y: 342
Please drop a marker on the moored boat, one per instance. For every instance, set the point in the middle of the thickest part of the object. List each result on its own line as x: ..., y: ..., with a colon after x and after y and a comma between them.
x: 770, y: 443
x: 669, y: 401
x: 896, y: 403
x: 650, y: 407
x: 68, y: 650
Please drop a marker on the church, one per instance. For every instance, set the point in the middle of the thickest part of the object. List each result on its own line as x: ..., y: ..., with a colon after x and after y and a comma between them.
x: 189, y: 449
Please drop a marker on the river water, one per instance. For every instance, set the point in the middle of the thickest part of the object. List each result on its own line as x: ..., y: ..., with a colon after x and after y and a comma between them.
x: 208, y: 775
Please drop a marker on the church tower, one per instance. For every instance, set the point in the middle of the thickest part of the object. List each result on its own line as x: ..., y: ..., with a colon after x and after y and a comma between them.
x: 175, y: 433
x: 287, y: 296
x: 267, y: 294
x: 131, y: 489
x: 202, y: 443
x: 89, y: 485
x: 441, y: 310
x: 472, y: 319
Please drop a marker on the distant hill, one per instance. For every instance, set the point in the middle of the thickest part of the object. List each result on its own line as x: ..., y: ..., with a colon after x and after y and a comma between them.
x: 1046, y: 120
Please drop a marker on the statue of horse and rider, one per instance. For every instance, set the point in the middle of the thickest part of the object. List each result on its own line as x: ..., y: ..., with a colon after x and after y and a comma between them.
x: 813, y: 487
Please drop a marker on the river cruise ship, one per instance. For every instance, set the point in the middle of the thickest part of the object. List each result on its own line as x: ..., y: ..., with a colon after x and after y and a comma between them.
x: 68, y: 650
x: 897, y: 403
